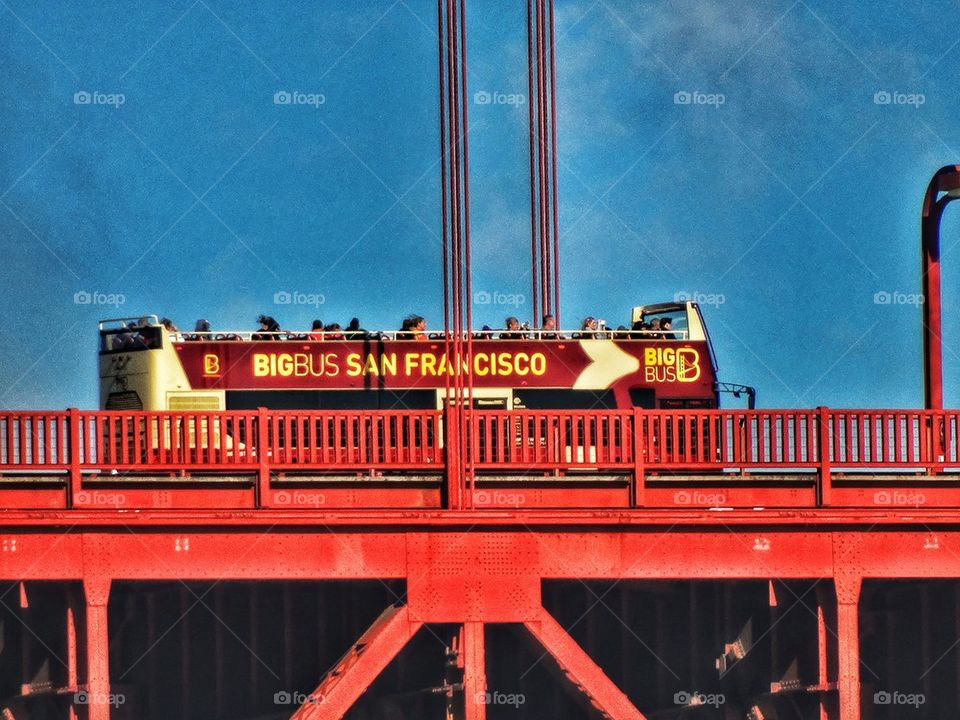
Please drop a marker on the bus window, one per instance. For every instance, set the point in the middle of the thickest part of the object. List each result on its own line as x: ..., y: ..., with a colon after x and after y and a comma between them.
x: 130, y: 339
x: 678, y: 322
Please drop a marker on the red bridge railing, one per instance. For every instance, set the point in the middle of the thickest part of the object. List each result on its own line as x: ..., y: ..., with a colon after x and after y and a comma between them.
x: 620, y: 458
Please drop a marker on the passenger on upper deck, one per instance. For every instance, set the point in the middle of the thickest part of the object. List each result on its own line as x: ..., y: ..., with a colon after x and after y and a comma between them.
x: 201, y: 326
x: 655, y: 333
x: 169, y: 326
x: 316, y: 330
x: 666, y: 324
x: 548, y: 331
x: 414, y: 327
x: 333, y: 331
x: 354, y: 331
x: 269, y: 329
x: 513, y: 329
x: 588, y: 328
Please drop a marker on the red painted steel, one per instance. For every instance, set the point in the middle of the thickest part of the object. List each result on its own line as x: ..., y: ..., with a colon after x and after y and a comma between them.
x: 515, y: 459
x: 945, y: 180
x: 583, y: 673
x: 550, y: 495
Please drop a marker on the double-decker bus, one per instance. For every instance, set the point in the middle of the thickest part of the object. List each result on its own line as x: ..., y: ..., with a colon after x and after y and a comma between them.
x: 144, y: 367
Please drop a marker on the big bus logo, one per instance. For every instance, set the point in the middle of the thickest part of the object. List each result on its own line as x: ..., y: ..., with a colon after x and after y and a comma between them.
x: 211, y: 364
x: 671, y: 365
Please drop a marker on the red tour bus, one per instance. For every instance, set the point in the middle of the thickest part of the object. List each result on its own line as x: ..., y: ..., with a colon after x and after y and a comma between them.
x: 144, y: 367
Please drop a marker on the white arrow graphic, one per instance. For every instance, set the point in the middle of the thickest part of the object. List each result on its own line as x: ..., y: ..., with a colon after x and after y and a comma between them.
x: 609, y: 364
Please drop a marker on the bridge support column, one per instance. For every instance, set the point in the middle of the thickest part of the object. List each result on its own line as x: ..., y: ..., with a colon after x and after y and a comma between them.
x: 848, y: 641
x: 97, y: 594
x: 474, y: 671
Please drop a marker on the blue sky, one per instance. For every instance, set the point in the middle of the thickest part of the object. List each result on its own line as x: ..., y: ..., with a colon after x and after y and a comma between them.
x: 784, y: 193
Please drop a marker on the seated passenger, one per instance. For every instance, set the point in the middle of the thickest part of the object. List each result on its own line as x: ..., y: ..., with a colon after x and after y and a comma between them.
x: 354, y: 331
x: 666, y: 324
x: 333, y: 331
x: 414, y: 328
x: 548, y: 330
x: 269, y: 329
x: 654, y: 332
x: 588, y: 328
x: 486, y: 333
x: 513, y: 329
x: 316, y: 330
x: 201, y: 331
x: 168, y: 326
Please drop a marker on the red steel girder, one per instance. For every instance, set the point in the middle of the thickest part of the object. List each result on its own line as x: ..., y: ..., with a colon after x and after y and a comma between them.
x: 581, y: 670
x: 361, y: 665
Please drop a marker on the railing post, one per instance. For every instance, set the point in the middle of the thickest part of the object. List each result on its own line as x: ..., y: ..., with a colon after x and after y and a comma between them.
x: 639, y: 461
x: 453, y: 446
x: 263, y: 459
x: 75, y: 456
x: 939, y: 422
x: 824, y: 476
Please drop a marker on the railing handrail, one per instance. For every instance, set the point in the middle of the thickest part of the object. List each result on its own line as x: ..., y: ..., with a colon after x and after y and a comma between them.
x: 628, y: 441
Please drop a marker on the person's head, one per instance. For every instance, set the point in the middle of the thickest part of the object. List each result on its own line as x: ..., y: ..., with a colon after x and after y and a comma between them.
x: 333, y: 327
x: 589, y: 323
x: 202, y: 326
x: 168, y: 325
x: 666, y: 323
x: 354, y: 324
x: 264, y: 321
x: 511, y: 323
x: 549, y: 323
x: 655, y: 324
x: 317, y: 325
